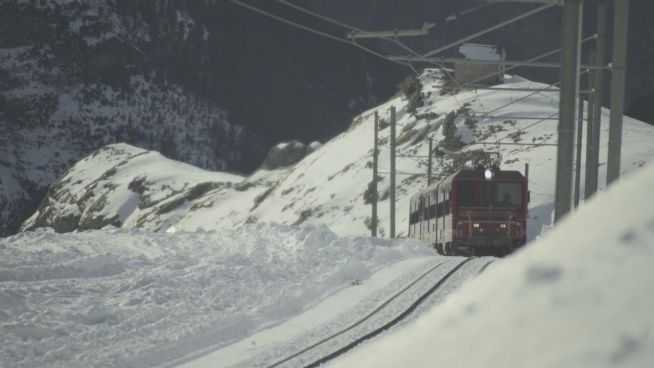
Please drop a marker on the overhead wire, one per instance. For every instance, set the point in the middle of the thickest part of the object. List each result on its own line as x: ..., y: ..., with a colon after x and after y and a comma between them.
x: 418, y: 55
x: 393, y: 40
x: 314, y: 31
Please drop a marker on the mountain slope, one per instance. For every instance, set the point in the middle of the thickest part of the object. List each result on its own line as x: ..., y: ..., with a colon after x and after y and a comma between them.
x: 79, y: 79
x: 329, y: 185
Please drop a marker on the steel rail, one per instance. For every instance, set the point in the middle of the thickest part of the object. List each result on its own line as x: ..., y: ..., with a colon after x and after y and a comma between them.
x: 394, y: 321
x: 359, y: 322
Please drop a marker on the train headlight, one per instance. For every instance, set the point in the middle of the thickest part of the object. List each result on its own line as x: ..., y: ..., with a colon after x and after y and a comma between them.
x: 488, y: 174
x: 475, y: 225
x: 503, y: 226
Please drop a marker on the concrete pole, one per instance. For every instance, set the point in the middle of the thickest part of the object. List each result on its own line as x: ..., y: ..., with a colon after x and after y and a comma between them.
x: 580, y: 131
x: 392, y: 190
x: 598, y: 86
x: 589, y: 129
x: 618, y: 75
x: 431, y: 149
x: 527, y: 171
x: 375, y: 156
x: 570, y: 55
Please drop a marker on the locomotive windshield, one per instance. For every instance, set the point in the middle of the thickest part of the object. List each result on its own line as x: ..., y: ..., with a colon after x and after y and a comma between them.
x: 489, y: 194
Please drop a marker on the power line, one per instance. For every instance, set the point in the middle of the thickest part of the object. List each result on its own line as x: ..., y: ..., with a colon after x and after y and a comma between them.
x: 320, y: 16
x: 490, y: 29
x: 399, y: 43
x: 314, y: 31
x: 395, y: 41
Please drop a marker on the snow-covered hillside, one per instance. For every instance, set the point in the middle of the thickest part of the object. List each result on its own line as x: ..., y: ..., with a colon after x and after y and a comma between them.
x: 581, y: 296
x: 329, y: 185
x: 133, y: 298
x: 74, y: 76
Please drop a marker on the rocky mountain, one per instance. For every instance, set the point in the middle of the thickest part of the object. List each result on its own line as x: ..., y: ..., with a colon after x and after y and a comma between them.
x: 125, y: 186
x: 161, y: 75
x: 79, y: 81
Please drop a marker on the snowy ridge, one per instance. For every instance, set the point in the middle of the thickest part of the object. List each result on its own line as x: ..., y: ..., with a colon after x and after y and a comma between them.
x: 581, y: 296
x: 329, y: 186
x: 122, y: 185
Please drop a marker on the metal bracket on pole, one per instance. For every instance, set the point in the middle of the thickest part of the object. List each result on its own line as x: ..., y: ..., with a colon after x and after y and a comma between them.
x: 396, y: 33
x: 516, y: 63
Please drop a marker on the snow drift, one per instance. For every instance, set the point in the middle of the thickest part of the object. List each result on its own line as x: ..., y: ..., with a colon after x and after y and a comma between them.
x: 121, y: 298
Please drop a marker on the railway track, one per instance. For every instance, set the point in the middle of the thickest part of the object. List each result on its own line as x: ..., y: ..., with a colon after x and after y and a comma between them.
x: 392, y: 311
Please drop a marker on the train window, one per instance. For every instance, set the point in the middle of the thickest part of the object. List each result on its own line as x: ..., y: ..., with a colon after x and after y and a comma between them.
x: 500, y: 194
x: 509, y: 194
x: 487, y: 194
x: 466, y: 195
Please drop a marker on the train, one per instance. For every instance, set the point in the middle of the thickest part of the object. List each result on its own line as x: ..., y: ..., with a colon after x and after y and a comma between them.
x: 475, y: 211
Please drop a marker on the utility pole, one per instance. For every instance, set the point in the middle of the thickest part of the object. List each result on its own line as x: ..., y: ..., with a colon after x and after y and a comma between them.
x: 392, y: 189
x: 527, y: 171
x: 375, y: 155
x: 570, y: 60
x: 431, y: 144
x: 598, y: 97
x: 619, y: 69
x: 589, y: 129
x: 580, y: 128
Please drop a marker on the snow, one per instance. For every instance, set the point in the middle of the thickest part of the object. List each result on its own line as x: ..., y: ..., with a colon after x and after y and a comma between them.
x: 187, y: 274
x: 119, y: 297
x: 581, y: 296
x: 479, y: 52
x: 328, y: 186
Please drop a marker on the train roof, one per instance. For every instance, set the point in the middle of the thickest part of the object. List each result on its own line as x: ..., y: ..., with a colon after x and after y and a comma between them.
x: 475, y: 174
x: 479, y: 174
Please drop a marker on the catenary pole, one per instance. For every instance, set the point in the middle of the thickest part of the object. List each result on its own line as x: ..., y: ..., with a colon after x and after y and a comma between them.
x: 570, y: 60
x: 588, y: 169
x: 619, y: 68
x: 375, y: 156
x: 580, y: 128
x: 392, y: 189
x: 431, y: 145
x: 598, y: 97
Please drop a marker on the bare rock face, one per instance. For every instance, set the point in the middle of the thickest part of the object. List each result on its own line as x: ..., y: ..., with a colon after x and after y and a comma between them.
x: 287, y: 154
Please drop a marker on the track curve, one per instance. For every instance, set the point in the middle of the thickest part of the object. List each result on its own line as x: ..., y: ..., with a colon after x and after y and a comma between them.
x: 365, y: 331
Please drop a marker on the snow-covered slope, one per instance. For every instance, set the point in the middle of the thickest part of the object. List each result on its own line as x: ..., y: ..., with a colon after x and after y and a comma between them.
x: 329, y: 185
x: 581, y: 296
x: 122, y: 185
x: 133, y: 298
x: 75, y: 76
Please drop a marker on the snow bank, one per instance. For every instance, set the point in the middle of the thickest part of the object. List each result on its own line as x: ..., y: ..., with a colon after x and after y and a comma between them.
x: 121, y: 298
x: 582, y: 296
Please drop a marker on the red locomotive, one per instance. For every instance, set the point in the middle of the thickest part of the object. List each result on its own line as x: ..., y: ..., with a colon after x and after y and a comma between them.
x: 472, y: 212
